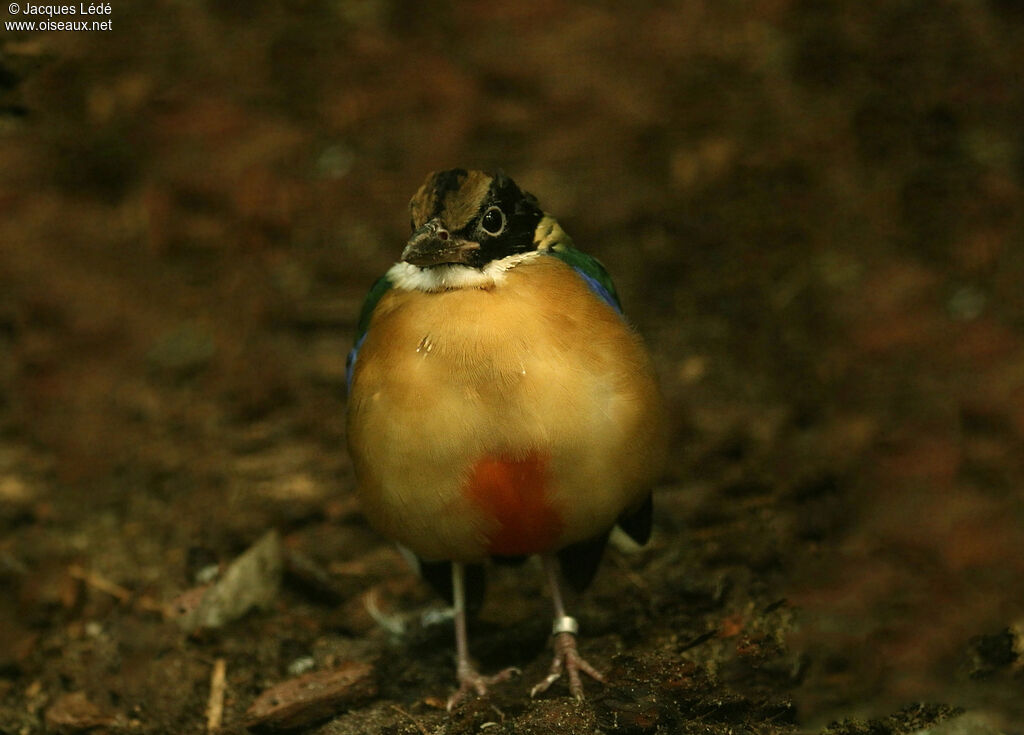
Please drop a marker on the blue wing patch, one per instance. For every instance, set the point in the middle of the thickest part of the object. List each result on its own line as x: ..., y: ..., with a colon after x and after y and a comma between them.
x: 590, y: 270
x: 377, y: 291
x: 598, y: 288
x: 350, y: 363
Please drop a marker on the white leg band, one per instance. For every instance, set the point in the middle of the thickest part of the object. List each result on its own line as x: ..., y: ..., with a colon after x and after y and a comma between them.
x: 565, y: 624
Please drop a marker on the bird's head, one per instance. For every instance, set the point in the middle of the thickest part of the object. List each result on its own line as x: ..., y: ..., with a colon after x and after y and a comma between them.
x: 470, y: 218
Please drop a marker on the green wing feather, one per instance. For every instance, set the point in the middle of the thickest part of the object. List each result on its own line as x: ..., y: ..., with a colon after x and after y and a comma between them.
x: 377, y: 291
x: 591, y: 270
x: 551, y: 239
x: 380, y: 287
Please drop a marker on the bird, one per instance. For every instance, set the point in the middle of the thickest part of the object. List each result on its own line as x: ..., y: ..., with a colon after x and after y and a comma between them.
x: 500, y: 406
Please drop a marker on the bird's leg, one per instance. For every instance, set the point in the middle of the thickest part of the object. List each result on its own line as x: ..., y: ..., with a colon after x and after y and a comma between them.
x: 567, y: 657
x: 469, y: 678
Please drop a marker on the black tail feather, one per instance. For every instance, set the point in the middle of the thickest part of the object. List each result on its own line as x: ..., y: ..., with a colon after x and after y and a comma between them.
x: 579, y: 561
x: 637, y: 522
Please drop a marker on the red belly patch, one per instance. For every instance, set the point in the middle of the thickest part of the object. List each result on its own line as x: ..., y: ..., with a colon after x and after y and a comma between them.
x: 512, y: 492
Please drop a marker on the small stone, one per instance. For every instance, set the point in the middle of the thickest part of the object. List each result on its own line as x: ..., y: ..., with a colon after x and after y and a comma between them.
x: 301, y: 665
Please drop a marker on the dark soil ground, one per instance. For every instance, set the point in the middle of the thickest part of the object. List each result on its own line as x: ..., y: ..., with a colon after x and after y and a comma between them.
x: 813, y: 211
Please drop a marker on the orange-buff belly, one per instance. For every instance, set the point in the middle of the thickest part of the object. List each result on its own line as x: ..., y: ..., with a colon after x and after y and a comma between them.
x: 512, y: 492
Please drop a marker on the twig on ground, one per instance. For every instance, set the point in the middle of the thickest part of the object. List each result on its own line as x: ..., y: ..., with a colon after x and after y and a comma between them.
x: 121, y: 594
x: 100, y: 583
x: 417, y: 723
x: 215, y: 706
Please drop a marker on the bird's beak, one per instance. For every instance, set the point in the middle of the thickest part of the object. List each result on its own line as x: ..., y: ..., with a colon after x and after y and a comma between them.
x: 433, y: 244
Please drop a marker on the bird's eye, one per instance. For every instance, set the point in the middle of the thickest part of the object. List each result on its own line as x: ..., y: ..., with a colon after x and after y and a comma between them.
x: 493, y: 221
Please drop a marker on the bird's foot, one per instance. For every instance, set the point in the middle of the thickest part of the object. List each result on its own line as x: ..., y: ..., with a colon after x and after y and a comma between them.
x: 567, y: 658
x: 471, y: 680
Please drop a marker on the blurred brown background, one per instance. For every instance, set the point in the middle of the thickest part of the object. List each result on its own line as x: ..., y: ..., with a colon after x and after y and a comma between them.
x: 812, y: 211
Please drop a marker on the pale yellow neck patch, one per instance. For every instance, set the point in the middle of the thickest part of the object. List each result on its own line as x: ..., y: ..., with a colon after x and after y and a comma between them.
x: 549, y: 234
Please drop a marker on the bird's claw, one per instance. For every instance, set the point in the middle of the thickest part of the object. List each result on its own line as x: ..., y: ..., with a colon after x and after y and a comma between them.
x: 567, y: 658
x: 470, y: 680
